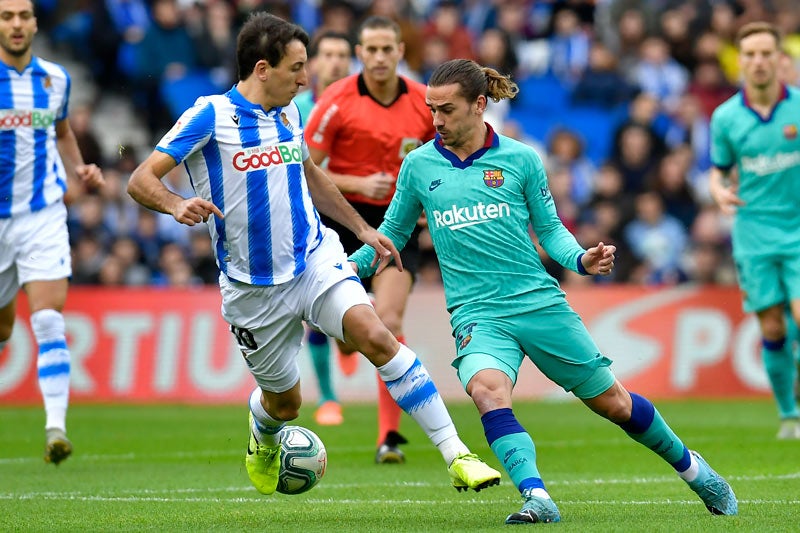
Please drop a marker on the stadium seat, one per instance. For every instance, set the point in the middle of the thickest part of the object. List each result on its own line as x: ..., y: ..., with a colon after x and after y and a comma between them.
x: 180, y: 94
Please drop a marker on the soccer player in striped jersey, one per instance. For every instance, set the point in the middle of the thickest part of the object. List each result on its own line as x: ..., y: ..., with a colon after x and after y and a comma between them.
x: 38, y: 157
x: 481, y: 191
x: 259, y: 191
x: 757, y: 131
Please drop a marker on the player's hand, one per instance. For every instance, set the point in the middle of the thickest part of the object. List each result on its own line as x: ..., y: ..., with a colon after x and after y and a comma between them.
x: 191, y: 211
x: 377, y: 186
x: 90, y: 175
x: 727, y: 198
x: 385, y: 250
x: 353, y: 266
x: 599, y: 259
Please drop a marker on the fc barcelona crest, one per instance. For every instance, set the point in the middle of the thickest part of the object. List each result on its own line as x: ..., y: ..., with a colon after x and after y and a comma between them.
x: 493, y: 178
x: 790, y: 131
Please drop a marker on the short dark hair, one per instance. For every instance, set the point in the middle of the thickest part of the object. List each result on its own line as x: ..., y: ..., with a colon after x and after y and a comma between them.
x: 752, y: 28
x: 265, y: 36
x: 376, y: 22
x: 313, y: 48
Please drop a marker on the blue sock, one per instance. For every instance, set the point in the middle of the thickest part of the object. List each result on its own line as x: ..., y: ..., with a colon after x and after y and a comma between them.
x: 782, y: 372
x: 320, y: 350
x: 513, y: 447
x: 647, y: 427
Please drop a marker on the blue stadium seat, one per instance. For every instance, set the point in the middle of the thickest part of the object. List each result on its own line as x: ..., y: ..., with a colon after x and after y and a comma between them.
x: 543, y: 93
x: 180, y: 94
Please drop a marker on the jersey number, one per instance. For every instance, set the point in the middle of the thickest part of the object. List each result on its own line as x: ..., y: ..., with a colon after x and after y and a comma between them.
x: 244, y: 337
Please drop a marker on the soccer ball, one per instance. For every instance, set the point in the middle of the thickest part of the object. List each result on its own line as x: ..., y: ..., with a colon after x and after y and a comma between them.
x: 303, y: 460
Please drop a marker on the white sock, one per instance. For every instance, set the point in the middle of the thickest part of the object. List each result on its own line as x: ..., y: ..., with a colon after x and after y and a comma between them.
x: 265, y: 428
x: 691, y: 473
x: 413, y: 389
x: 53, y: 365
x: 540, y: 493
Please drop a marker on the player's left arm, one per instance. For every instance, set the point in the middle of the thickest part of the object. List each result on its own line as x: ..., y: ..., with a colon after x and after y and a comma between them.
x: 78, y: 173
x: 556, y: 239
x: 329, y: 201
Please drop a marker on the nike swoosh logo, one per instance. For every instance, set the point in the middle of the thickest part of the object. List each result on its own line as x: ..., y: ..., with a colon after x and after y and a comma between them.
x: 249, y: 451
x: 434, y: 185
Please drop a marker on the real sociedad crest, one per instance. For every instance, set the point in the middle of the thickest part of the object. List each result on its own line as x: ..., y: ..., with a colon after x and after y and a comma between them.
x: 493, y: 178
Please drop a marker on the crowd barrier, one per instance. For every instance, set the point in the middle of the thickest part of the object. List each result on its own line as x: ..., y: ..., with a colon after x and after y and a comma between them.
x: 167, y: 345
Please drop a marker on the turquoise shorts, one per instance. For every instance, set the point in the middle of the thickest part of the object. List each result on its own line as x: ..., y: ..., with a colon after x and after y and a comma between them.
x: 554, y: 338
x: 768, y: 280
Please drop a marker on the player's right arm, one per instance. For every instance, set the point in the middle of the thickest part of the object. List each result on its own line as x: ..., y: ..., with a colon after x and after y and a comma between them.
x: 723, y: 156
x: 723, y: 191
x: 189, y: 134
x: 145, y: 186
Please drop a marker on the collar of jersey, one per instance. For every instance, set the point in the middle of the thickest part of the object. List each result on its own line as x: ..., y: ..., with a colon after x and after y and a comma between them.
x: 402, y: 88
x: 492, y: 141
x: 29, y: 65
x: 783, y: 96
x: 237, y: 98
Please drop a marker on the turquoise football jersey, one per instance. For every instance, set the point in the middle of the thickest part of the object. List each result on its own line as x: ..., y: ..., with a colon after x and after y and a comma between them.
x: 766, y: 153
x: 305, y: 103
x: 479, y: 212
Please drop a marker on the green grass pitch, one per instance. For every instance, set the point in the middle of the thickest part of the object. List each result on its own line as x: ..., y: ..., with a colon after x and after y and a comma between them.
x: 181, y: 468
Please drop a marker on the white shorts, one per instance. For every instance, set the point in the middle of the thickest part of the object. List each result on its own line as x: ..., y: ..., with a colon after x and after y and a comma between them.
x: 33, y: 247
x: 267, y: 322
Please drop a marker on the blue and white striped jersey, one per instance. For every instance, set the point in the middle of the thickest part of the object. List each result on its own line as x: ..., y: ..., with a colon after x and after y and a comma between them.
x: 249, y: 163
x: 31, y: 102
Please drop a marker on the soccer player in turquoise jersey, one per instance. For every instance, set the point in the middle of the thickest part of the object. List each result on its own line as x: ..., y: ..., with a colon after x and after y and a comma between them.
x: 756, y: 131
x: 481, y: 191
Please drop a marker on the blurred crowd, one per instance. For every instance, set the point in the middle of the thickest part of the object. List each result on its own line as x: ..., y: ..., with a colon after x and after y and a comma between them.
x: 652, y: 69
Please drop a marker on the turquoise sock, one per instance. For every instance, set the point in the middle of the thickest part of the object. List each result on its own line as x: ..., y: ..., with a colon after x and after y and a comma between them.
x: 782, y: 372
x: 646, y: 426
x: 792, y: 335
x: 320, y: 350
x: 513, y: 447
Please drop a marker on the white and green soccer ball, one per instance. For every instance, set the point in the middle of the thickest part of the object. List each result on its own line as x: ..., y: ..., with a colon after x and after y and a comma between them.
x: 303, y: 460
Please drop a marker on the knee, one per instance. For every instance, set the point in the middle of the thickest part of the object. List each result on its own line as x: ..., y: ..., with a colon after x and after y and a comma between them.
x: 773, y: 330
x: 376, y: 343
x: 615, y: 404
x: 618, y: 410
x: 490, y: 390
x: 773, y: 325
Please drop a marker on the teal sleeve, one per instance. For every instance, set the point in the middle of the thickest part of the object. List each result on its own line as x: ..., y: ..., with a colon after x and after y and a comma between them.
x: 398, y: 224
x: 722, y: 155
x: 556, y: 239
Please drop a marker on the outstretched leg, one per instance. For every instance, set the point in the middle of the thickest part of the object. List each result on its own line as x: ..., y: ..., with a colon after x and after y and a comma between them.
x: 639, y: 418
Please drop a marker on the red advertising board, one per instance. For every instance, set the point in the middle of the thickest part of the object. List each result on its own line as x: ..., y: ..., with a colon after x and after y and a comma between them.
x: 166, y: 345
